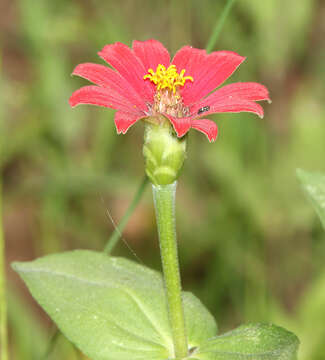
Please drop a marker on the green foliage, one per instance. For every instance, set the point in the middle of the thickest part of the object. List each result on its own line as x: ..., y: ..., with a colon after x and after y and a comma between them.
x: 314, y: 186
x: 258, y: 342
x: 242, y: 220
x: 111, y: 308
x: 29, y: 345
x: 310, y: 320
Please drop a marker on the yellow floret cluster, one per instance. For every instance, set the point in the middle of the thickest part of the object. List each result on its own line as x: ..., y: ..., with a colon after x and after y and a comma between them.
x: 167, y: 78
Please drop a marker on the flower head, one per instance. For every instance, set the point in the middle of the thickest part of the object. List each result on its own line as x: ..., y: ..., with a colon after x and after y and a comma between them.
x: 144, y: 84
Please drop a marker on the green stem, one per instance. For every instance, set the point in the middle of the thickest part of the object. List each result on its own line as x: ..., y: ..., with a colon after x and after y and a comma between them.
x: 219, y: 25
x: 164, y: 199
x: 114, y: 238
x: 3, y: 299
x: 51, y: 345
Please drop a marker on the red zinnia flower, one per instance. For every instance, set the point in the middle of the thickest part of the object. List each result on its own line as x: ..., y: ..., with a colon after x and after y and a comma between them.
x: 145, y: 84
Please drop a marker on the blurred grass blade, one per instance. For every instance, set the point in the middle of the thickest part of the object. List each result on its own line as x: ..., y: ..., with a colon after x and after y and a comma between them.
x: 314, y: 186
x: 51, y: 344
x: 119, y: 229
x: 29, y: 335
x: 3, y: 297
x: 219, y: 25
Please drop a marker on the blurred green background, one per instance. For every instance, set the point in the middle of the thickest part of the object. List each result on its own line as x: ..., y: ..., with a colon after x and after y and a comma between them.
x: 251, y: 247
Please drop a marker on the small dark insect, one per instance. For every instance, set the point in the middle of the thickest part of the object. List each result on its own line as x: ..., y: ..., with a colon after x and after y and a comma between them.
x: 203, y: 109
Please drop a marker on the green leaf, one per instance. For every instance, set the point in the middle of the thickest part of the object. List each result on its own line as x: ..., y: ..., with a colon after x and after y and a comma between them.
x: 251, y: 342
x: 200, y: 324
x: 314, y: 186
x: 111, y: 308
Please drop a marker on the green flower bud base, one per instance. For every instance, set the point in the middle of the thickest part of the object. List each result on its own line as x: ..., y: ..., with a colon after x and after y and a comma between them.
x: 164, y: 153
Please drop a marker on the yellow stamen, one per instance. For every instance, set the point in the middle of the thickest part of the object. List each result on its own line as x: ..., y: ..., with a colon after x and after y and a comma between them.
x: 167, y: 78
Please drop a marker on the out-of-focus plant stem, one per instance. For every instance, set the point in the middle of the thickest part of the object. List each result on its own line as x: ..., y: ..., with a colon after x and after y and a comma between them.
x: 114, y: 238
x: 4, y: 354
x: 3, y: 297
x: 179, y: 35
x: 164, y: 199
x: 219, y: 25
x: 51, y: 344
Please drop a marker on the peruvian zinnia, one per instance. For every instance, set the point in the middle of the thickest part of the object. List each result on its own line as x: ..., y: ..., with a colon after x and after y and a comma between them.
x: 144, y: 84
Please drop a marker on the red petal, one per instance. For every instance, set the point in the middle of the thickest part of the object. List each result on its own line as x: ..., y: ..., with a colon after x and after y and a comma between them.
x: 208, y: 70
x: 124, y: 120
x: 96, y: 95
x: 245, y: 91
x: 123, y: 59
x: 207, y: 127
x: 106, y: 77
x: 151, y: 53
x: 234, y: 105
x: 181, y: 125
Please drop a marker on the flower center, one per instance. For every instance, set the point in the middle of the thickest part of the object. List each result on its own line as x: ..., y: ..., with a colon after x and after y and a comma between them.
x: 167, y: 78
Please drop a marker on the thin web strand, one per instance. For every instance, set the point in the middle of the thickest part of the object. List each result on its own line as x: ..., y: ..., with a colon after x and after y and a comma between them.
x: 110, y: 217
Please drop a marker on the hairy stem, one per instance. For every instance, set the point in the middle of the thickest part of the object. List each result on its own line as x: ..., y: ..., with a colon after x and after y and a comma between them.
x: 114, y: 238
x: 3, y: 298
x: 219, y: 25
x: 164, y: 200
